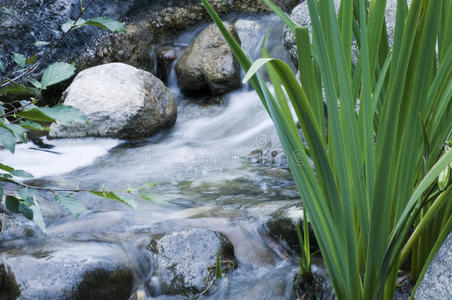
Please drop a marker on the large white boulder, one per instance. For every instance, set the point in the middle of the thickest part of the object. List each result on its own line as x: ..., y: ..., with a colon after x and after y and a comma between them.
x: 120, y: 101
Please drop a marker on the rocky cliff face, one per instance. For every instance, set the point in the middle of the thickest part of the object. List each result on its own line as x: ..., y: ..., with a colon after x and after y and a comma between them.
x: 146, y: 21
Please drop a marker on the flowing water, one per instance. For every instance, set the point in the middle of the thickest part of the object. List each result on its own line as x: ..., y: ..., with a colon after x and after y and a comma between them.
x: 197, y: 174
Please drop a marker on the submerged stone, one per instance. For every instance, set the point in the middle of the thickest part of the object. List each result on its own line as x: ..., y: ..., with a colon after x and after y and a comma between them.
x: 74, y: 271
x: 186, y: 261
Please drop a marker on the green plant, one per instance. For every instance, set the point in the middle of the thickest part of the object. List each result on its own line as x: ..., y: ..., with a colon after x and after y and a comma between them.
x: 218, y: 271
x: 18, y: 116
x: 303, y: 240
x: 376, y: 169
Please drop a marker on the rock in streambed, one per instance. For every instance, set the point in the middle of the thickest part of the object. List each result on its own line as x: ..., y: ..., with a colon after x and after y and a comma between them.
x: 208, y: 64
x: 75, y: 271
x: 120, y: 101
x: 186, y: 261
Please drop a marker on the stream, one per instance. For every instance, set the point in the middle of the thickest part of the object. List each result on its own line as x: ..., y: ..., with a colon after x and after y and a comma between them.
x: 198, y: 174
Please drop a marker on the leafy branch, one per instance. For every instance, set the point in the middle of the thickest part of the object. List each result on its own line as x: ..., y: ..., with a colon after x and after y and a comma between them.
x: 104, y: 23
x: 17, y: 117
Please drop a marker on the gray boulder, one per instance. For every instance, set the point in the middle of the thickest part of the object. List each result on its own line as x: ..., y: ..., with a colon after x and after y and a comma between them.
x: 120, y: 101
x: 82, y: 271
x: 208, y: 64
x: 186, y: 260
x: 437, y: 280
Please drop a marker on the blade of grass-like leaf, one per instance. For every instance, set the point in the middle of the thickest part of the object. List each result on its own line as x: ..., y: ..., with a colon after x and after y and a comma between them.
x: 346, y: 146
x: 280, y: 95
x: 308, y: 78
x: 445, y: 34
x: 439, y: 242
x: 401, y: 13
x: 307, y: 122
x: 366, y: 123
x: 379, y: 85
x: 441, y: 80
x: 288, y: 21
x: 426, y: 219
x: 405, y: 221
x: 387, y: 143
x: 307, y: 243
x: 374, y: 32
x: 345, y: 22
x: 409, y: 157
x: 318, y: 211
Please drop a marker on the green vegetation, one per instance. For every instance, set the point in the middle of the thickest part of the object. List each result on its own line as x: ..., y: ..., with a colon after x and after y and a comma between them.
x: 218, y: 271
x: 18, y: 116
x: 377, y: 167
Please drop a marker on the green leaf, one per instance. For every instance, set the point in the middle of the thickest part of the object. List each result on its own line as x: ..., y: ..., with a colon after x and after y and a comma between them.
x: 7, y: 139
x: 56, y: 73
x: 443, y: 179
x: 22, y: 174
x: 26, y: 211
x: 9, y: 11
x: 20, y: 59
x: 101, y: 22
x: 62, y: 113
x: 147, y: 196
x: 28, y: 195
x: 69, y: 25
x: 37, y: 217
x: 6, y: 168
x: 35, y: 114
x: 18, y: 131
x: 71, y: 204
x: 65, y: 114
x: 32, y: 59
x: 6, y: 177
x: 41, y: 43
x: 36, y: 83
x: 107, y: 23
x: 288, y: 21
x: 1, y: 193
x: 12, y: 204
x: 2, y: 67
x: 112, y: 196
x: 20, y: 90
x: 218, y: 272
x: 34, y: 126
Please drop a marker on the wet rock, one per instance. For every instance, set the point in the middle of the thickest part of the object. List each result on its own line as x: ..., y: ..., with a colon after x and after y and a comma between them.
x: 250, y: 34
x: 147, y: 22
x: 300, y: 15
x: 208, y: 64
x: 186, y: 261
x: 308, y: 286
x: 82, y: 271
x: 268, y: 157
x: 437, y: 280
x: 165, y: 59
x: 16, y: 226
x: 9, y: 289
x: 282, y: 227
x: 120, y: 101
